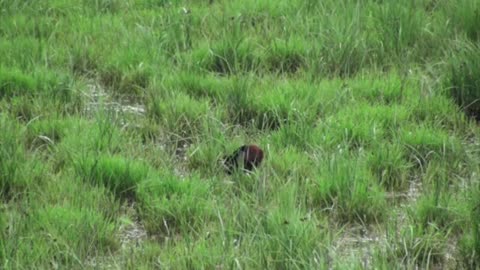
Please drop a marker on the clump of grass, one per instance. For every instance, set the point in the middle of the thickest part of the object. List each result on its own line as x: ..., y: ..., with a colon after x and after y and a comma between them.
x: 181, y: 116
x: 290, y: 240
x: 54, y: 84
x: 469, y: 248
x: 119, y: 174
x: 198, y: 86
x: 286, y: 56
x: 387, y: 162
x: 296, y: 133
x: 46, y: 132
x: 364, y: 125
x: 417, y: 246
x: 342, y: 50
x: 209, y: 251
x: 270, y: 116
x: 465, y: 15
x: 462, y: 80
x: 436, y: 210
x: 400, y: 26
x: 66, y: 190
x: 84, y: 137
x: 240, y: 101
x: 83, y: 62
x: 147, y: 131
x: 469, y: 243
x: 280, y: 106
x: 205, y: 252
x: 16, y: 251
x: 206, y: 156
x: 230, y: 56
x: 445, y: 172
x: 424, y: 143
x: 14, y: 82
x: 59, y: 235
x: 378, y: 123
x: 292, y: 163
x: 441, y: 113
x: 265, y: 11
x: 24, y: 108
x: 347, y: 186
x: 12, y: 156
x: 131, y: 83
x: 105, y: 6
x: 168, y: 204
x: 269, y: 109
x: 69, y: 235
x: 389, y: 90
x: 3, y: 236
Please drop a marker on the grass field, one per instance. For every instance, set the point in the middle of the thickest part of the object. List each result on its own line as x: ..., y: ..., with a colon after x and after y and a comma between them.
x: 114, y: 116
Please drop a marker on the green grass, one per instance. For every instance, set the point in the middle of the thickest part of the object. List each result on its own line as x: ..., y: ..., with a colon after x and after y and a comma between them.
x: 12, y: 157
x: 463, y: 79
x: 118, y: 174
x: 346, y: 187
x: 115, y: 117
x: 469, y: 244
x: 389, y: 166
x: 170, y: 204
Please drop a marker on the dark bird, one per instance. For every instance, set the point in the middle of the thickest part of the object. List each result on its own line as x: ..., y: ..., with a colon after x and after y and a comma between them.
x: 247, y: 157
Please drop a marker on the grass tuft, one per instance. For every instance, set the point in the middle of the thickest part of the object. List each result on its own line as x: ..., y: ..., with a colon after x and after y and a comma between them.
x: 424, y: 144
x: 346, y: 187
x: 229, y: 57
x: 387, y: 162
x: 420, y: 246
x: 118, y: 174
x: 181, y: 116
x: 290, y: 239
x: 463, y: 80
x: 14, y: 82
x: 171, y: 205
x: 286, y: 56
x: 12, y: 157
x: 130, y: 84
x: 436, y: 210
x: 59, y: 227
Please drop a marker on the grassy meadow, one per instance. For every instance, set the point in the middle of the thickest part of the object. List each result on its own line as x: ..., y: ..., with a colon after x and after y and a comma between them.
x: 115, y: 114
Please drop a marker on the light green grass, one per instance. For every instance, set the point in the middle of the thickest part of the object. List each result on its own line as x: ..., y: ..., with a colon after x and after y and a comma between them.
x: 115, y: 116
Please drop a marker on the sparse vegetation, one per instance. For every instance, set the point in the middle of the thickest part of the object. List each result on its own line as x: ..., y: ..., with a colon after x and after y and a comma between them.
x: 114, y: 117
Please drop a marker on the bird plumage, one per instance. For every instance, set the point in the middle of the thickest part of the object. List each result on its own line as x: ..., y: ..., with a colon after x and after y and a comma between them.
x: 247, y: 157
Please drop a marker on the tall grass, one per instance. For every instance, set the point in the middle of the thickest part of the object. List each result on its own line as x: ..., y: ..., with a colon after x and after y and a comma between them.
x: 462, y: 80
x: 349, y: 190
x: 169, y: 204
x: 12, y: 157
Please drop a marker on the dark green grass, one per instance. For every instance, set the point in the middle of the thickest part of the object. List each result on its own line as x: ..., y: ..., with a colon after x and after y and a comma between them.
x: 469, y: 244
x: 12, y: 156
x: 462, y: 80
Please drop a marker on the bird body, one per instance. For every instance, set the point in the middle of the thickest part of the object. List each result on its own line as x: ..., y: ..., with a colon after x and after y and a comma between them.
x: 247, y: 157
